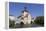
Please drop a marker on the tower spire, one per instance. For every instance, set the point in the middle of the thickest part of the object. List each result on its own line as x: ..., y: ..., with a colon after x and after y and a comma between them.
x: 25, y: 8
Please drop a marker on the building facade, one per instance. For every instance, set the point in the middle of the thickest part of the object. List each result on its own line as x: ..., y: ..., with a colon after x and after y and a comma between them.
x: 25, y: 17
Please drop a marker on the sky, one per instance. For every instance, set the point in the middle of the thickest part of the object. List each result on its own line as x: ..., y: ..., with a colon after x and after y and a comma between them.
x: 34, y: 9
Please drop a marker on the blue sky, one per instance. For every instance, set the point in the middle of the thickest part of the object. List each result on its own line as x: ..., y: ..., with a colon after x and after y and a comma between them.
x: 34, y: 9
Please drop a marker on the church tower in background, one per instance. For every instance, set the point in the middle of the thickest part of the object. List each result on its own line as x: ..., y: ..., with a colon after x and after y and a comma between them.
x: 25, y: 16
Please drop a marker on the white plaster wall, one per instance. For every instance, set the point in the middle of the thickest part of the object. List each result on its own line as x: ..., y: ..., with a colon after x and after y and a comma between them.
x: 25, y: 20
x: 25, y: 13
x: 29, y: 19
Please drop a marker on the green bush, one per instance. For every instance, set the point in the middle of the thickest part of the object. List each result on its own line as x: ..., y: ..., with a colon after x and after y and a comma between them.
x: 39, y: 20
x: 11, y: 24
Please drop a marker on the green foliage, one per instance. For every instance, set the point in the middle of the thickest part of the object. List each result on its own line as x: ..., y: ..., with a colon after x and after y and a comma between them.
x: 39, y: 20
x: 31, y: 22
x: 11, y: 24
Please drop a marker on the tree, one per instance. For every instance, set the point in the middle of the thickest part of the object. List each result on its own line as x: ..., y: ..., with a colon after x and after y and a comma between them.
x: 39, y: 20
x: 11, y: 24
